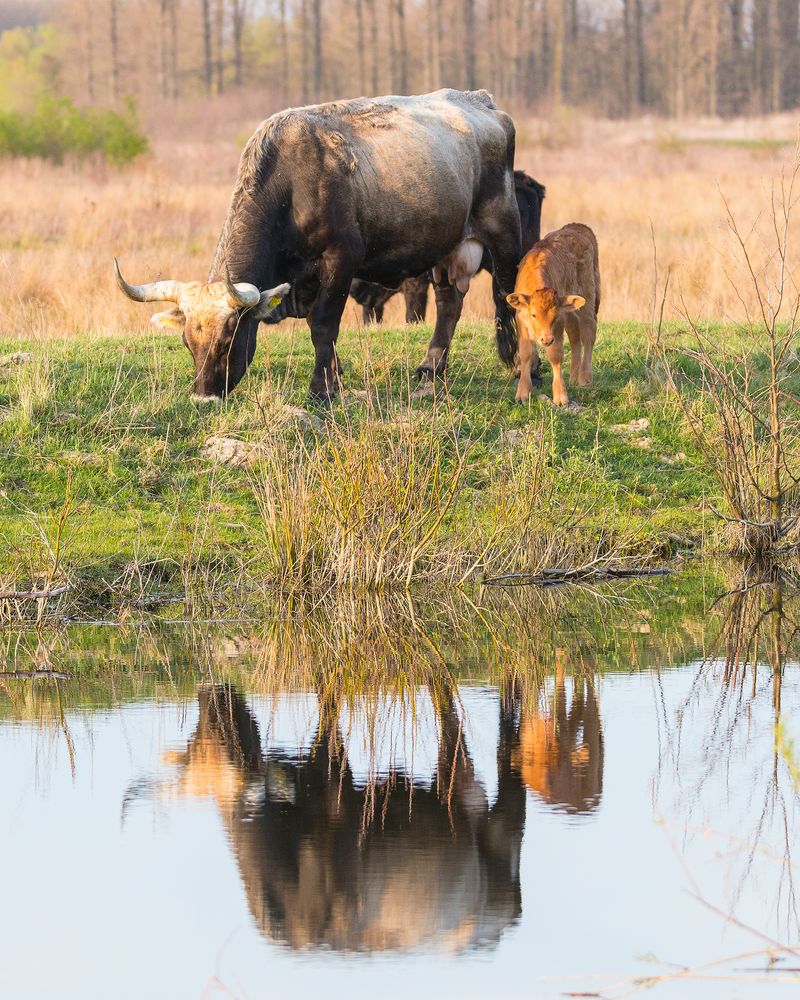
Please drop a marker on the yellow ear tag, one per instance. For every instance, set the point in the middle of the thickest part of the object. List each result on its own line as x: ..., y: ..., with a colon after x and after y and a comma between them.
x: 275, y: 301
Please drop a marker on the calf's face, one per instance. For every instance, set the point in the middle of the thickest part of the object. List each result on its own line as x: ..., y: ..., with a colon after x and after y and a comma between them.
x: 540, y: 314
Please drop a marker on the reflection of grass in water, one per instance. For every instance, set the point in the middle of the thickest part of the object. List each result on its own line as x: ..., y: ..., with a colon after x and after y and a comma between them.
x: 357, y: 645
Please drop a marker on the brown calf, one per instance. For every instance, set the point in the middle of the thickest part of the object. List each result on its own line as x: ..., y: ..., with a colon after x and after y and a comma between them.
x: 558, y: 287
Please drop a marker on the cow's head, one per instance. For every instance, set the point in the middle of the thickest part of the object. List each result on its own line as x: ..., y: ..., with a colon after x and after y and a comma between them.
x: 539, y: 311
x: 218, y: 321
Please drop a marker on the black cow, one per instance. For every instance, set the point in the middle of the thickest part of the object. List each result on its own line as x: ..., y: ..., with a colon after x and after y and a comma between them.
x: 373, y: 298
x: 380, y: 189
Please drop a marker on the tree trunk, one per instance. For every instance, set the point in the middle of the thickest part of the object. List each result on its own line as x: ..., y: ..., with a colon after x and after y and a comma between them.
x: 439, y: 44
x: 430, y: 48
x: 284, y: 44
x: 219, y: 22
x: 557, y: 79
x: 788, y: 28
x: 373, y: 46
x: 627, y: 47
x: 317, y: 13
x: 173, y: 50
x: 207, y: 64
x: 469, y: 45
x: 362, y: 69
x: 89, y: 50
x: 641, y: 59
x: 392, y: 49
x: 114, y: 47
x: 737, y: 80
x: 238, y: 17
x: 162, y: 48
x: 304, y: 43
x: 713, y: 58
x: 401, y: 46
x: 761, y: 63
x: 545, y: 53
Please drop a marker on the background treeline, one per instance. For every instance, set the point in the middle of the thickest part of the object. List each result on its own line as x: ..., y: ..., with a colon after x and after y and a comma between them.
x: 609, y: 57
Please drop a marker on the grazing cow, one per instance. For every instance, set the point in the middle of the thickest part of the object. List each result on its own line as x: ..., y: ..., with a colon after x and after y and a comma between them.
x: 373, y: 298
x: 381, y: 189
x: 558, y: 286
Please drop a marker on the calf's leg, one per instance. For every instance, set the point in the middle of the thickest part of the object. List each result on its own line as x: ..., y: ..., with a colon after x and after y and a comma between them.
x: 527, y: 348
x: 588, y: 336
x: 555, y: 355
x: 574, y: 334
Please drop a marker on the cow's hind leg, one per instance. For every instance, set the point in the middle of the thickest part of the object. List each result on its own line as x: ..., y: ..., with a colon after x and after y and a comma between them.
x: 324, y: 318
x: 449, y: 302
x: 415, y: 292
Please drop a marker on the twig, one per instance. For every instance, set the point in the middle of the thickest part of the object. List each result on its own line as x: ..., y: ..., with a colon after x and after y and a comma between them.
x: 34, y: 675
x: 33, y: 595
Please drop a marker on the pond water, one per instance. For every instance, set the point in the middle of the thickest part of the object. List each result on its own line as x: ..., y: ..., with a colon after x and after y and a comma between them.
x: 533, y: 796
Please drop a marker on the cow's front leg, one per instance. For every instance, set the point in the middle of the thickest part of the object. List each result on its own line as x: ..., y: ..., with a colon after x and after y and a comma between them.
x: 336, y: 275
x: 449, y: 301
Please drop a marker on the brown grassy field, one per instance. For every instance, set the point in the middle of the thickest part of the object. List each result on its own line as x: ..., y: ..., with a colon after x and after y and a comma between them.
x: 61, y: 226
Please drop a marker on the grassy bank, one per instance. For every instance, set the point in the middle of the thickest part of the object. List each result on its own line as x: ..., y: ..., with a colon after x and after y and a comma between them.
x: 108, y: 468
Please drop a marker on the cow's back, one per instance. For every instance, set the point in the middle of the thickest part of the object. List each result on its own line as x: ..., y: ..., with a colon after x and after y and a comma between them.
x: 401, y: 174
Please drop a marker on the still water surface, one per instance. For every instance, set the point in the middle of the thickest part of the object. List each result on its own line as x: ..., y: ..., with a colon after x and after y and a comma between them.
x: 404, y: 813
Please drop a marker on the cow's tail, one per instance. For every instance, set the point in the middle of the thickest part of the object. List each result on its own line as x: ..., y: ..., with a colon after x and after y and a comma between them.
x: 505, y: 326
x: 505, y: 334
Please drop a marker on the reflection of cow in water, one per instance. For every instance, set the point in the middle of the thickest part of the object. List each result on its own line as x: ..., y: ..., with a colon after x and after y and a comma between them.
x: 560, y: 752
x: 325, y: 862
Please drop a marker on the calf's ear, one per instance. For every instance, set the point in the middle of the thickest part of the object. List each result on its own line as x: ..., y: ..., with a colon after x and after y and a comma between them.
x: 572, y: 302
x: 517, y: 300
x: 172, y: 319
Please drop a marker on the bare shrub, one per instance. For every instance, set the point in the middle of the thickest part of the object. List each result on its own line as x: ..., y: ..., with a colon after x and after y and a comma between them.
x: 736, y: 392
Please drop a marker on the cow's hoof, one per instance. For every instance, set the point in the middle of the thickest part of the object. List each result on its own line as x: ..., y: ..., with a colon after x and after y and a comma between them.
x: 321, y: 395
x: 427, y: 374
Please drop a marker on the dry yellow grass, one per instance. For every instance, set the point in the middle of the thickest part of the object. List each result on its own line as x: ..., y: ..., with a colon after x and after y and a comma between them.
x: 61, y: 226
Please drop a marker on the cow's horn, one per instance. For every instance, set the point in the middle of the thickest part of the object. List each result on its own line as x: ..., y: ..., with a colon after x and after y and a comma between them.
x: 156, y: 291
x: 243, y: 293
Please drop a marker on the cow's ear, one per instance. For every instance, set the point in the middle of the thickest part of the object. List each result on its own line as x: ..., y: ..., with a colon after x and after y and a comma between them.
x: 572, y: 302
x: 270, y: 300
x: 172, y: 319
x: 517, y: 300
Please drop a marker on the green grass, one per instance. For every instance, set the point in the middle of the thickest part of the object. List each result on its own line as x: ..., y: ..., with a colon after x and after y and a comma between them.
x: 109, y: 422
